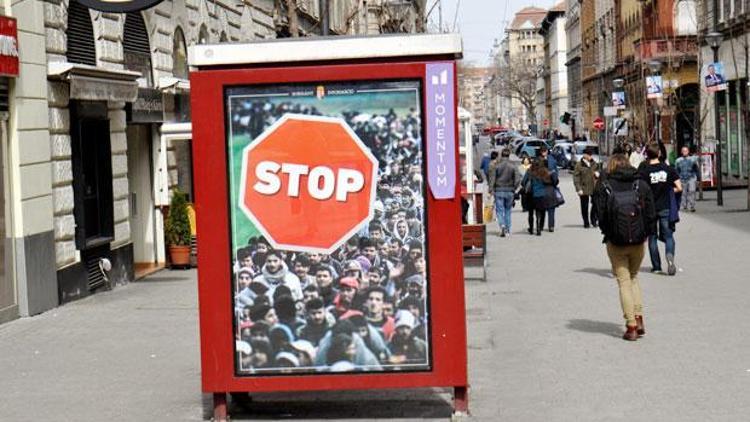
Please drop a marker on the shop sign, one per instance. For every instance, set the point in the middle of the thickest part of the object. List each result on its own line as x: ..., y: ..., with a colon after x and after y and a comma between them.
x: 311, y: 173
x: 8, y: 46
x: 148, y: 107
x: 119, y: 6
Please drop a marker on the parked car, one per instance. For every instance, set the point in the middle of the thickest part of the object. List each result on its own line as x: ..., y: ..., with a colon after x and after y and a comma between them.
x: 530, y: 148
x: 563, y: 153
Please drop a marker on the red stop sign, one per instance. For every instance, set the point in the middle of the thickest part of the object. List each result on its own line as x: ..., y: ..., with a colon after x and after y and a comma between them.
x: 599, y: 123
x: 308, y: 183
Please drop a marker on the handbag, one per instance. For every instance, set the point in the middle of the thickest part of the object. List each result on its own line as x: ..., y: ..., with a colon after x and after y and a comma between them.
x: 559, y: 198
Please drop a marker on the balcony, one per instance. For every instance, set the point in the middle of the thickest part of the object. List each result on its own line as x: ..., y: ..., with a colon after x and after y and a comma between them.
x: 678, y: 48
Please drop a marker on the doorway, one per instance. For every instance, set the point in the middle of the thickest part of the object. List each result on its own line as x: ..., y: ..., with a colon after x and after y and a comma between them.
x: 141, y: 199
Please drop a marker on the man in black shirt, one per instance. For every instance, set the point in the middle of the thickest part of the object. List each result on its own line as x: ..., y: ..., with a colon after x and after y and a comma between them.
x: 664, y: 182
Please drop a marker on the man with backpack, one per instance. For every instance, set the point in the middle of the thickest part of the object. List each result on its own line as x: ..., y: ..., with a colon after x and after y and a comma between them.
x: 504, y: 179
x: 664, y: 182
x: 626, y: 219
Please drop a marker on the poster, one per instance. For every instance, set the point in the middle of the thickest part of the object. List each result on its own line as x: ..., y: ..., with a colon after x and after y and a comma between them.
x: 363, y: 307
x: 713, y: 76
x: 653, y: 87
x: 618, y: 99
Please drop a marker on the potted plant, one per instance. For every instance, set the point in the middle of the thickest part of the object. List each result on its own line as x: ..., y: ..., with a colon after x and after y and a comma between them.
x: 177, y: 230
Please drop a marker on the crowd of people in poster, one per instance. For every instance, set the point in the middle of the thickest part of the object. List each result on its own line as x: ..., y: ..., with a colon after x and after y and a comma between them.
x: 362, y: 308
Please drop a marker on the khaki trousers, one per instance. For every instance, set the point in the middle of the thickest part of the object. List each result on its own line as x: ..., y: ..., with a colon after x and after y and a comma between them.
x: 626, y: 262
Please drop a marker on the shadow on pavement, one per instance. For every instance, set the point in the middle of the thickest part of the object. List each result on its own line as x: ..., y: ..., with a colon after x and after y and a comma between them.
x: 365, y: 405
x: 602, y: 272
x: 596, y: 327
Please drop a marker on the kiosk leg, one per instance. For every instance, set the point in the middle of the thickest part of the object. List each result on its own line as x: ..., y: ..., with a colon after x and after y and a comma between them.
x: 220, y: 407
x: 461, y: 400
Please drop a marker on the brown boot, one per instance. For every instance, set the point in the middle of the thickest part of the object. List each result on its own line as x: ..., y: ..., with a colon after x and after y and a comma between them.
x: 631, y: 333
x: 641, y: 329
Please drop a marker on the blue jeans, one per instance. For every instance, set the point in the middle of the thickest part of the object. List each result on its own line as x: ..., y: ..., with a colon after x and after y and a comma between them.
x: 653, y: 241
x: 551, y: 217
x: 503, y: 207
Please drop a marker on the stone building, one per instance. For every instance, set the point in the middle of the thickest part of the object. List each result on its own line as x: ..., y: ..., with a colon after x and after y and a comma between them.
x: 96, y: 133
x: 555, y: 72
x: 573, y: 64
x: 525, y: 47
x: 731, y: 18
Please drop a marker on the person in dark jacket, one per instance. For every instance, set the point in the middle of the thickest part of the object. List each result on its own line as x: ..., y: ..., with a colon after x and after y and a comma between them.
x: 504, y: 179
x: 539, y: 184
x: 626, y: 258
x: 551, y: 165
x: 584, y: 178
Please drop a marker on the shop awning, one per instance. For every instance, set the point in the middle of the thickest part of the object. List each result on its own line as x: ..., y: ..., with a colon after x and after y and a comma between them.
x: 95, y: 83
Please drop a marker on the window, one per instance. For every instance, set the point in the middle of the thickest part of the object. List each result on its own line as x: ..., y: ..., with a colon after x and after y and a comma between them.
x: 136, y: 50
x: 203, y: 35
x: 179, y: 55
x: 685, y: 18
x: 80, y: 35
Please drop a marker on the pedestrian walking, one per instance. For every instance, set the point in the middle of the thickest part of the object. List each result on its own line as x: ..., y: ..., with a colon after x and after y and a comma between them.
x: 585, y: 175
x: 625, y: 206
x: 551, y: 164
x: 504, y: 179
x: 687, y: 169
x: 487, y: 162
x: 539, y: 186
x: 662, y: 179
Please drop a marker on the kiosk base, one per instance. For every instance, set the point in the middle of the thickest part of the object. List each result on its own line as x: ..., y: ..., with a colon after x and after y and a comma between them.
x: 460, y: 404
x: 220, y: 407
x: 460, y: 401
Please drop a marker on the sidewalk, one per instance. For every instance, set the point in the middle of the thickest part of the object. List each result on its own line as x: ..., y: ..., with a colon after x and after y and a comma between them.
x: 544, y: 341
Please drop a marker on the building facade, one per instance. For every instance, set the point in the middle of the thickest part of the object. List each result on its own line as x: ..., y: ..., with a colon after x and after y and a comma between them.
x: 96, y: 132
x: 555, y: 70
x: 573, y: 64
x: 731, y: 18
x: 524, y: 50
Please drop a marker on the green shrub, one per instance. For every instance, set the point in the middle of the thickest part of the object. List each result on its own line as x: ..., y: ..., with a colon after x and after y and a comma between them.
x: 177, y: 226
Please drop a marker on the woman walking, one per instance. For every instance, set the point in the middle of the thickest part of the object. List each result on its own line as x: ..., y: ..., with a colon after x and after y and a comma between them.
x: 626, y: 217
x: 539, y: 185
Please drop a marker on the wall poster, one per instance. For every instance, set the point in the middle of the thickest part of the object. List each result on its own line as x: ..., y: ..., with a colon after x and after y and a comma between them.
x: 358, y: 303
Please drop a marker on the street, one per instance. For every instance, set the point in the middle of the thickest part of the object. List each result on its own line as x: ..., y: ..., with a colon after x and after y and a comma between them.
x: 544, y: 341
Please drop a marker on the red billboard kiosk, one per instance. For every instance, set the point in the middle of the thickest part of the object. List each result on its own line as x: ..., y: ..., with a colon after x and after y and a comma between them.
x: 329, y: 215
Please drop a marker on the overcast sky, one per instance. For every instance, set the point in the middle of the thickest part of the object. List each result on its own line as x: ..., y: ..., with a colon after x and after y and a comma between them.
x: 481, y: 21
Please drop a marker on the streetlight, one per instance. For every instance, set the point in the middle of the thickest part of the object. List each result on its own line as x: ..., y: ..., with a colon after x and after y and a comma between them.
x: 714, y: 40
x: 618, y: 83
x: 655, y: 67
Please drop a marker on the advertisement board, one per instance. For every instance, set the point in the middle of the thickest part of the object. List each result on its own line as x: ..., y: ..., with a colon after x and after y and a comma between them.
x: 329, y: 216
x: 311, y: 303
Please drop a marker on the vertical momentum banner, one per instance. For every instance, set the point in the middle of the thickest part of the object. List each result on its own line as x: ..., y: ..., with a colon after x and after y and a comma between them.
x: 441, y: 118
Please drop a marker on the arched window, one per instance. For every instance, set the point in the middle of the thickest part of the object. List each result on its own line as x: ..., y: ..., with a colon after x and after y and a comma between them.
x: 685, y: 18
x: 80, y: 35
x: 136, y: 49
x: 203, y: 35
x: 179, y: 55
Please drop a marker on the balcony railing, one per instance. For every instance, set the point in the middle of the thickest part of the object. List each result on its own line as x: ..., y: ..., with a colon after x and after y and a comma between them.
x: 665, y: 49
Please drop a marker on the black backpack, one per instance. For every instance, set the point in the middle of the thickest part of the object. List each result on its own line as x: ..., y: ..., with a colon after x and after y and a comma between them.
x: 626, y: 222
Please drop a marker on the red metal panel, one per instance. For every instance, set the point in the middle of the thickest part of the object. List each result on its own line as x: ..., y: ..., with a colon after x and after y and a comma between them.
x: 9, y: 50
x: 448, y: 326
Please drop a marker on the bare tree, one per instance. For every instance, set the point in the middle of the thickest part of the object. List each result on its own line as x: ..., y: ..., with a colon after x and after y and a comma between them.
x: 517, y: 80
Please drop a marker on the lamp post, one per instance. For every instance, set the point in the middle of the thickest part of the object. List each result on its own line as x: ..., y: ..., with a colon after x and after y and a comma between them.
x: 714, y: 40
x: 655, y: 67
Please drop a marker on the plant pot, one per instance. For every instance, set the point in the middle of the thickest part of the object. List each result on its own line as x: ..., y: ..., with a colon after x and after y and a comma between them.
x: 179, y: 255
